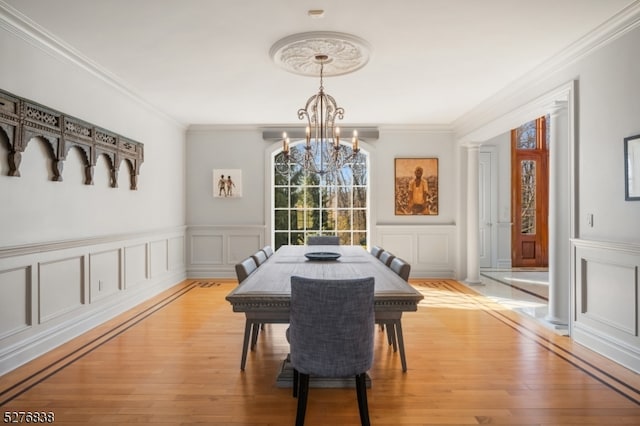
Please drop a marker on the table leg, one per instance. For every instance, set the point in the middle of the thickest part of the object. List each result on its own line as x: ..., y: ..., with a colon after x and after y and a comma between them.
x: 245, y: 343
x: 403, y: 359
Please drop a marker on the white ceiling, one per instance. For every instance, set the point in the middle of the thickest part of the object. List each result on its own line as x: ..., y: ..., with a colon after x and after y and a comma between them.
x: 207, y: 61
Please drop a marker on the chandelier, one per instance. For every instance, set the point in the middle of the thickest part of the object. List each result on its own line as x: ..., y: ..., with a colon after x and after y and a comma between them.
x: 323, y: 153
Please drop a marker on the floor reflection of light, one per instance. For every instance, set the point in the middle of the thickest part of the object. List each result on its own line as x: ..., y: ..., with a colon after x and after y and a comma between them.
x: 516, y: 303
x: 526, y: 281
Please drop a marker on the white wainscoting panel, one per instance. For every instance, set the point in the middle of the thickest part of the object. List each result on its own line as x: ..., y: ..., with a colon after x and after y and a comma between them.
x: 207, y: 249
x: 430, y: 249
x: 104, y: 274
x: 176, y: 253
x: 158, y: 258
x: 15, y: 300
x: 52, y: 292
x: 60, y: 287
x: 214, y: 250
x: 606, y: 305
x: 434, y: 250
x: 239, y: 246
x: 136, y: 265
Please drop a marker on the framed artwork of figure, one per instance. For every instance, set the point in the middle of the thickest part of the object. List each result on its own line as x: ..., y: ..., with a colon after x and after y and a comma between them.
x: 416, y: 186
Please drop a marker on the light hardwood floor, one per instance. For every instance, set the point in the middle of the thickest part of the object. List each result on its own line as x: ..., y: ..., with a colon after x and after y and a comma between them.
x: 175, y: 360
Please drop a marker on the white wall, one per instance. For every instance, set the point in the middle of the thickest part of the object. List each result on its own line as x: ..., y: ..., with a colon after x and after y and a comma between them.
x: 73, y: 255
x: 413, y: 144
x: 211, y: 148
x: 35, y: 209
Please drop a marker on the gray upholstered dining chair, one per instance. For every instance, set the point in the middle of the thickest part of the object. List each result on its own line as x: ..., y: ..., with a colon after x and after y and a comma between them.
x: 376, y: 251
x: 400, y: 267
x: 331, y: 335
x: 245, y: 268
x: 323, y: 240
x: 260, y: 257
x: 386, y: 257
x: 394, y: 327
x: 268, y: 251
x: 251, y: 328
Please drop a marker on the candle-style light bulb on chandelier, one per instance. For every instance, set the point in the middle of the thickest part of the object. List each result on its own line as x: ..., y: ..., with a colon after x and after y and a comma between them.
x: 323, y: 153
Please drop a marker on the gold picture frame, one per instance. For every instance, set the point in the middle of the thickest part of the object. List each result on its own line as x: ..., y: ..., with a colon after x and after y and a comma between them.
x: 416, y: 186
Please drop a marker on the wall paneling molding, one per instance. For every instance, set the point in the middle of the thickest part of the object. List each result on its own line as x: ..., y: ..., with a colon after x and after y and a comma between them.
x: 54, y: 292
x: 605, y: 301
x: 430, y: 249
x: 213, y: 250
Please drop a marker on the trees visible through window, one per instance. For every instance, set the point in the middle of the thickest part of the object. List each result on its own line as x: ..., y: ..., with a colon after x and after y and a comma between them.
x: 307, y: 204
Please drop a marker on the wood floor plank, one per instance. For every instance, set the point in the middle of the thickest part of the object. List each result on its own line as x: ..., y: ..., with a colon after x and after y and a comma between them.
x: 174, y: 360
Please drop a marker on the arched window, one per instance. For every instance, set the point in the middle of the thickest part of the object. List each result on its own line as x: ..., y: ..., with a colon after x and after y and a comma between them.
x: 307, y: 204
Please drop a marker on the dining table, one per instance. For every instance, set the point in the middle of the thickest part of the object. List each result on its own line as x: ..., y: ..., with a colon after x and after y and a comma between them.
x: 264, y: 296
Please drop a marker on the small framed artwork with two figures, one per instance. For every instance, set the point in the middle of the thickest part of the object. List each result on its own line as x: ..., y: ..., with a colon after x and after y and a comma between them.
x: 227, y: 183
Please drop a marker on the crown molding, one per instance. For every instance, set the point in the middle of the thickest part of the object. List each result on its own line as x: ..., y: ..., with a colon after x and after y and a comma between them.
x: 18, y: 24
x: 417, y: 128
x: 275, y: 130
x: 620, y: 24
x: 195, y: 128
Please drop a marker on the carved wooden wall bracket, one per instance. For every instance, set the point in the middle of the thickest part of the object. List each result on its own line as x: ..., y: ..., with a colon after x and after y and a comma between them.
x: 21, y: 120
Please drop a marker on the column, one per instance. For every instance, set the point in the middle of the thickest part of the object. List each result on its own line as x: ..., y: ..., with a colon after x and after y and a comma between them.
x: 473, y: 213
x: 559, y: 248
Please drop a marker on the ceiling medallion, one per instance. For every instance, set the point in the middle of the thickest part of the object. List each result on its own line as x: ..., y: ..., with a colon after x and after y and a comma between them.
x: 297, y: 53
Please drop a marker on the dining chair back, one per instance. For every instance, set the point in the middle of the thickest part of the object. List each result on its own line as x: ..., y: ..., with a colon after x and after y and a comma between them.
x: 268, y: 251
x: 386, y: 257
x: 400, y: 267
x: 376, y: 251
x: 245, y: 268
x: 331, y: 334
x: 394, y: 326
x: 260, y: 257
x: 323, y: 240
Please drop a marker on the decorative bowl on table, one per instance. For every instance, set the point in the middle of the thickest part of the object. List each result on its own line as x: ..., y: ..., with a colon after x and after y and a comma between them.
x: 322, y: 255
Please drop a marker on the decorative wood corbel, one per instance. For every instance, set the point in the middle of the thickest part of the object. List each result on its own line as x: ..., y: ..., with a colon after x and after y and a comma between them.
x: 21, y: 120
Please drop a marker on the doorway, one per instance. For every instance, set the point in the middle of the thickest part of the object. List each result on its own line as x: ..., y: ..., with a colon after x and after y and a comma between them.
x: 558, y: 108
x: 498, y: 194
x: 530, y: 194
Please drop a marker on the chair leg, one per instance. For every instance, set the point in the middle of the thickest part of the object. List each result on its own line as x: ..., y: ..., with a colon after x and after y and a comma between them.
x: 403, y: 358
x: 391, y: 336
x: 303, y: 393
x: 245, y: 343
x: 363, y: 406
x: 295, y: 383
x: 254, y: 335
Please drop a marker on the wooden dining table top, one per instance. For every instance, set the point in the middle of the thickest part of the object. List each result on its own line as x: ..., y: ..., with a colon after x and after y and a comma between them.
x: 269, y: 287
